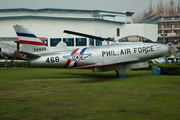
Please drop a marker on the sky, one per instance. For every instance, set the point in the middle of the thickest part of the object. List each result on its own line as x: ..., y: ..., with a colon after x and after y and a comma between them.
x: 108, y: 5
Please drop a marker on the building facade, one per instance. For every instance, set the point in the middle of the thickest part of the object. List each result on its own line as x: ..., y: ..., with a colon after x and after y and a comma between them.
x: 168, y: 23
x: 50, y: 23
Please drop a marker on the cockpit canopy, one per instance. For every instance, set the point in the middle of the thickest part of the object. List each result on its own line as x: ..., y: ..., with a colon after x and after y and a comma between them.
x: 134, y: 38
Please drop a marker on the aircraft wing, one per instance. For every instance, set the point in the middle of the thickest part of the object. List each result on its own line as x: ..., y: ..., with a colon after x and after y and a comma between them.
x: 87, y: 35
x: 173, y: 58
x: 108, y: 63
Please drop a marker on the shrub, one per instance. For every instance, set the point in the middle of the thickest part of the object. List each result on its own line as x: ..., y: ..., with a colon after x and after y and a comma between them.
x: 12, y: 64
x: 169, y: 69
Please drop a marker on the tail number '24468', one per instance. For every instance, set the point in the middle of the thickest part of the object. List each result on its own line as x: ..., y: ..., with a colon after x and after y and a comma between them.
x: 52, y: 59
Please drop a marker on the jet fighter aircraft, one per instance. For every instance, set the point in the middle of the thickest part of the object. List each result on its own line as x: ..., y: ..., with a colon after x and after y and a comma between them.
x: 8, y: 51
x: 114, y: 57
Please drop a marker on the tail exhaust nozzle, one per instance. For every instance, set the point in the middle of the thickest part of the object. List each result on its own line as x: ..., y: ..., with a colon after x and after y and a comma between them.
x: 17, y: 55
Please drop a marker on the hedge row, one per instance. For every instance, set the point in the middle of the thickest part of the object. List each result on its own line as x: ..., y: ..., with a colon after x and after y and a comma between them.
x: 12, y: 64
x: 169, y: 69
x: 166, y: 69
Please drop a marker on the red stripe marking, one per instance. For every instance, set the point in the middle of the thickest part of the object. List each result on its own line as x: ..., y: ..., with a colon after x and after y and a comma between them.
x: 90, y: 66
x: 32, y: 43
x: 69, y: 61
x: 17, y: 39
x: 74, y: 51
x: 84, y: 67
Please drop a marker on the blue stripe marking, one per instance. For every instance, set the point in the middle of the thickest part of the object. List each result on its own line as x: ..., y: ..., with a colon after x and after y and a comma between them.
x: 75, y: 64
x: 82, y: 51
x: 26, y: 34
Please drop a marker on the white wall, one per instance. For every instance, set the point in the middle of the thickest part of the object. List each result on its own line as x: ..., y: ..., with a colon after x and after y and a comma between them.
x: 149, y: 31
x: 53, y: 28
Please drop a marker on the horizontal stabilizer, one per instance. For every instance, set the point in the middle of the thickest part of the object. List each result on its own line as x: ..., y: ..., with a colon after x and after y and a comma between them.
x: 108, y: 63
x: 28, y: 55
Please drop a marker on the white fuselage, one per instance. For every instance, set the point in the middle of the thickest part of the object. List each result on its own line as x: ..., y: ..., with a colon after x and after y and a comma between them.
x: 102, y: 54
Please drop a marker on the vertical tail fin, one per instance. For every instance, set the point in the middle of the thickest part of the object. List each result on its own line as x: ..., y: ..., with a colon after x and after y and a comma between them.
x: 29, y: 41
x: 174, y: 51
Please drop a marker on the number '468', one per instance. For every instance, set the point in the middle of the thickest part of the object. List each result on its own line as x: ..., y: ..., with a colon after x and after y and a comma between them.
x: 52, y: 59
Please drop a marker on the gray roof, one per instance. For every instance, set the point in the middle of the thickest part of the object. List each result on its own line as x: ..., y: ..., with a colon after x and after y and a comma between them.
x: 94, y: 17
x: 56, y: 9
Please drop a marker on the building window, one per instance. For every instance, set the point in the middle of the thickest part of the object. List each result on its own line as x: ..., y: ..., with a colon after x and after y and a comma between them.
x: 54, y: 41
x: 81, y: 42
x: 98, y: 43
x: 118, y: 31
x: 69, y: 41
x: 177, y: 32
x: 91, y: 42
x: 167, y: 31
x: 160, y: 31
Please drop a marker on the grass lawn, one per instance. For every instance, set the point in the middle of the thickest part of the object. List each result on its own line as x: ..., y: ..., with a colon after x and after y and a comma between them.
x: 36, y: 93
